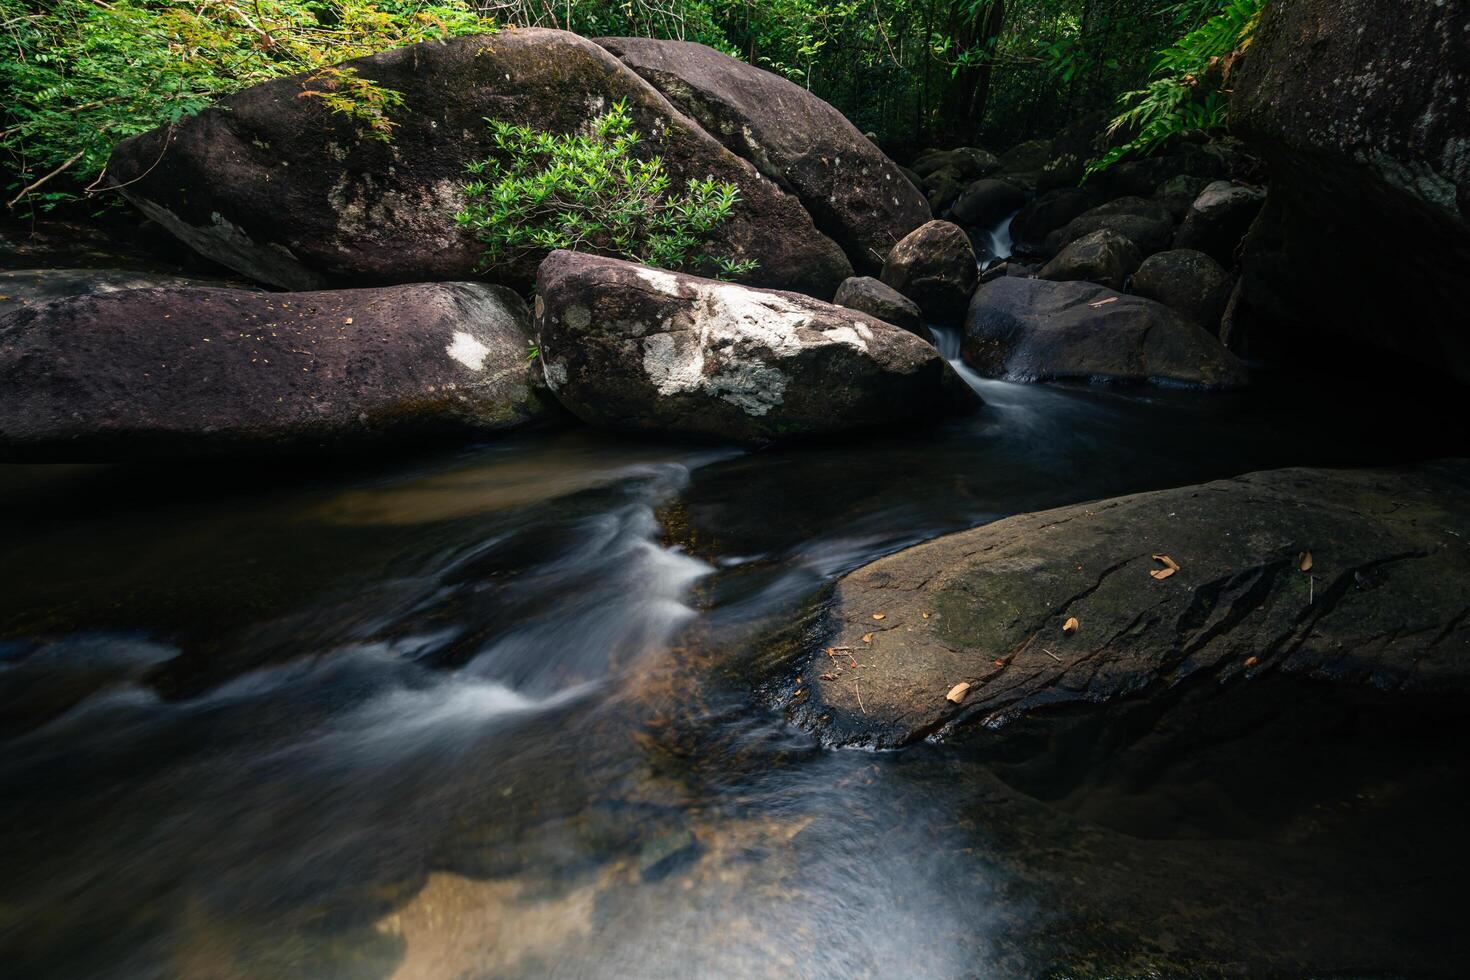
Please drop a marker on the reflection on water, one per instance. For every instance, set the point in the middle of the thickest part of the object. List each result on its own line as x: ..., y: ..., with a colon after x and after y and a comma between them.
x: 490, y: 715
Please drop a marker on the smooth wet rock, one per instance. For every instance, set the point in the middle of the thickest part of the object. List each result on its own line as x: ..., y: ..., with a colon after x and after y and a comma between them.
x: 1360, y: 111
x: 986, y: 202
x: 282, y: 190
x: 1147, y: 224
x: 200, y: 372
x: 1036, y: 330
x: 854, y: 193
x: 868, y: 295
x: 1103, y: 257
x: 629, y: 347
x: 1218, y: 220
x: 935, y: 267
x: 20, y: 288
x: 1188, y: 282
x: 1382, y: 605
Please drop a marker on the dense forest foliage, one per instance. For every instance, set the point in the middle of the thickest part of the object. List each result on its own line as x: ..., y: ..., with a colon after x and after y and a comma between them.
x: 80, y: 75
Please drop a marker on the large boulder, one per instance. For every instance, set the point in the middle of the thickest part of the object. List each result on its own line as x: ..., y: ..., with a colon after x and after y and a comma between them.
x: 199, y: 372
x: 1027, y: 157
x: 629, y: 347
x: 941, y: 188
x: 855, y: 194
x: 935, y: 267
x: 1188, y: 282
x: 1349, y: 577
x: 986, y: 202
x: 1036, y: 330
x: 868, y: 295
x: 1360, y: 111
x: 1104, y: 257
x: 281, y: 189
x: 1218, y: 219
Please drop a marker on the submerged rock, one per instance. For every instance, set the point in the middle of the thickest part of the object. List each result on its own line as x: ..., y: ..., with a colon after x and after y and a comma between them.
x: 629, y: 347
x: 1353, y: 577
x: 281, y: 189
x: 868, y: 295
x: 1188, y: 282
x: 935, y: 267
x: 1104, y: 257
x: 198, y: 372
x: 855, y: 194
x: 1037, y: 330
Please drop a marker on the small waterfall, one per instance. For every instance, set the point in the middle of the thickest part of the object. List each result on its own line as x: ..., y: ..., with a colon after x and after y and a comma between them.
x: 995, y: 242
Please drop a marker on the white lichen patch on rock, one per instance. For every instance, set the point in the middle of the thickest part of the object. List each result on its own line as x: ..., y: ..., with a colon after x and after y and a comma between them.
x: 468, y: 351
x: 736, y: 342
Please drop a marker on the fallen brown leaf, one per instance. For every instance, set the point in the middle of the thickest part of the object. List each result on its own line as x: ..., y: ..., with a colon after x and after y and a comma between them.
x: 1252, y: 661
x: 925, y: 615
x: 1169, y: 562
x: 957, y: 693
x: 879, y: 616
x: 1103, y: 302
x: 1304, y: 561
x: 867, y: 637
x: 1070, y: 626
x: 1000, y: 663
x: 1162, y: 573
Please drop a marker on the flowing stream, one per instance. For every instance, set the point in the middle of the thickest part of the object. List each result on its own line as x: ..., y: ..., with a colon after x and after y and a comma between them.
x: 498, y: 713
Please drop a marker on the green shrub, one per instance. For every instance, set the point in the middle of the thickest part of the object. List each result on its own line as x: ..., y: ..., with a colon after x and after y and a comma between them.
x: 1189, y: 92
x: 81, y: 75
x: 541, y: 191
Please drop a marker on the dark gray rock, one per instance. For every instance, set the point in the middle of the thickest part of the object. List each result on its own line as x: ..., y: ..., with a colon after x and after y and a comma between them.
x: 1178, y: 193
x: 1382, y: 605
x: 855, y: 194
x: 941, y: 188
x: 1027, y: 157
x: 1188, y: 282
x: 633, y: 348
x: 20, y: 288
x: 1148, y: 224
x: 1218, y: 220
x: 286, y: 192
x: 935, y: 267
x: 1036, y: 330
x: 968, y: 162
x: 1360, y: 111
x: 1048, y: 212
x: 986, y: 202
x: 868, y: 295
x: 197, y: 372
x: 1103, y: 257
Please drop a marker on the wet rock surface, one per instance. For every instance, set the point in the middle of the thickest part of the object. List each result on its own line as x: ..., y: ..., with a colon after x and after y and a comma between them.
x: 855, y: 194
x: 629, y: 347
x: 1037, y: 330
x: 1357, y: 577
x: 20, y: 288
x: 1104, y: 257
x: 869, y: 295
x: 935, y: 267
x: 1188, y: 282
x: 280, y: 189
x: 200, y: 372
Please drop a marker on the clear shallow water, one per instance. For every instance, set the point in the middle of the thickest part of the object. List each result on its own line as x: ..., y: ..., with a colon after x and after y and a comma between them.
x: 495, y: 713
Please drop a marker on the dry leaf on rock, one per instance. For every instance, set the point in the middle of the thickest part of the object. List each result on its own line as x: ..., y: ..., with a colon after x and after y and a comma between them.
x: 1070, y: 626
x: 957, y: 693
x: 1304, y: 561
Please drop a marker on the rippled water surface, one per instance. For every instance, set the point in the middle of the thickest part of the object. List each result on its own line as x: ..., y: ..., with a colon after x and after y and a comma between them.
x: 497, y: 713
